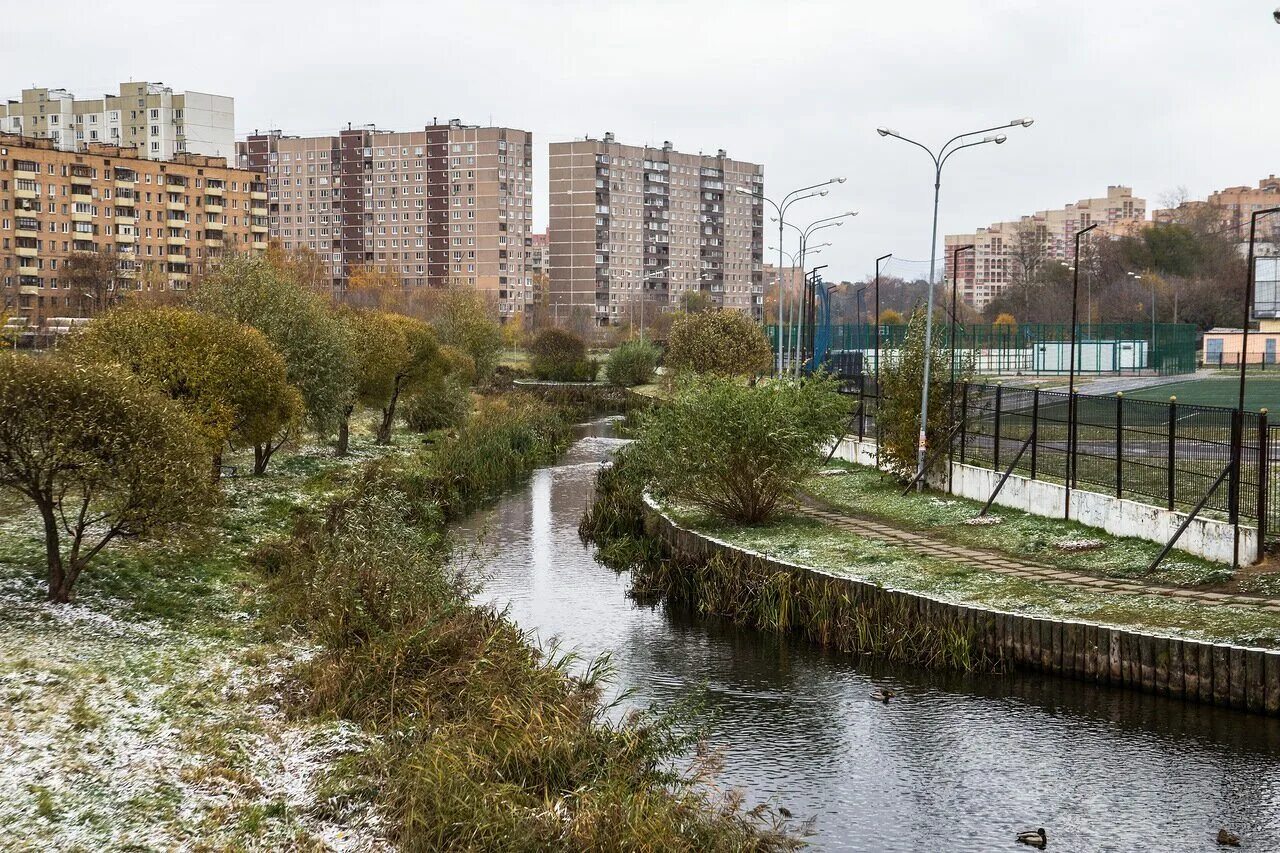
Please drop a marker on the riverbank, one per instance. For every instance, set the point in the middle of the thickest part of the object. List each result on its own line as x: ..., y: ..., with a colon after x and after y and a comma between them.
x: 308, y: 675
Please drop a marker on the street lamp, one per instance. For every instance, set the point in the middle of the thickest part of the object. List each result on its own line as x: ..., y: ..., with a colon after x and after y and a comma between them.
x: 1071, y: 372
x: 939, y: 160
x: 643, y: 279
x: 805, y: 234
x: 876, y: 320
x: 781, y: 209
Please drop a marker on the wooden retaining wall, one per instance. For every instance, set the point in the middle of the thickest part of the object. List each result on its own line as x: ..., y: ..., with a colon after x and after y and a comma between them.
x: 1213, y: 673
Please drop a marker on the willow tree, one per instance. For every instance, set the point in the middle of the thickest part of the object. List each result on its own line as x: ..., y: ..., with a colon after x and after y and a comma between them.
x: 224, y: 374
x: 101, y: 456
x: 300, y: 325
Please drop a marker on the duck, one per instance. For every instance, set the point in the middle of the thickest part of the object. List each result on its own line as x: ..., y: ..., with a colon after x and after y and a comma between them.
x: 1227, y: 838
x: 1035, y: 838
x: 784, y: 811
x: 884, y: 694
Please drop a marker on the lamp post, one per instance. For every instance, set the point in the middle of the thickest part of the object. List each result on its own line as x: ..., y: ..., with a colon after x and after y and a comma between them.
x: 781, y: 209
x: 1151, y: 346
x: 1248, y: 299
x: 876, y: 319
x: 643, y: 279
x: 939, y: 160
x: 1071, y: 374
x: 805, y: 234
x: 951, y: 392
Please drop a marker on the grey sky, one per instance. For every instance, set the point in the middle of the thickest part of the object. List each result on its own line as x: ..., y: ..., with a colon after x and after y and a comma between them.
x: 1153, y: 95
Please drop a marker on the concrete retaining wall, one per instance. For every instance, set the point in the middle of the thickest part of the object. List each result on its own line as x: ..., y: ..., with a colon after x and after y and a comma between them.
x: 1207, y: 538
x: 1215, y: 674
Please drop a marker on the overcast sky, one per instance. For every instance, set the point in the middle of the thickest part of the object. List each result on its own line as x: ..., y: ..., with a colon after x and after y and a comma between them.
x: 1152, y: 95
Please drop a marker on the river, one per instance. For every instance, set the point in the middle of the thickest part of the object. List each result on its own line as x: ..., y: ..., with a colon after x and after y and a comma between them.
x: 954, y: 763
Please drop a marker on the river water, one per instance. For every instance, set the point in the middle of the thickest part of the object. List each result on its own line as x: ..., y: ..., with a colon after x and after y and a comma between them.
x: 954, y: 763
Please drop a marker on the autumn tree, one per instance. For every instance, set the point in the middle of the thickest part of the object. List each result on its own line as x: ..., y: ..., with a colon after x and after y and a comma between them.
x: 463, y: 318
x: 91, y: 277
x: 101, y: 456
x: 224, y: 374
x: 301, y: 265
x: 725, y: 343
x: 375, y: 287
x: 300, y: 326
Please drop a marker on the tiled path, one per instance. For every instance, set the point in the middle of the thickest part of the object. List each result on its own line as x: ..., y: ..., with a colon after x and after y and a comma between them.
x: 993, y: 561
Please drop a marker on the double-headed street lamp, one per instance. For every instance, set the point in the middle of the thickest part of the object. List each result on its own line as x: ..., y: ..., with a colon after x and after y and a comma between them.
x: 939, y: 160
x: 644, y: 278
x: 806, y: 306
x: 876, y: 320
x: 781, y: 209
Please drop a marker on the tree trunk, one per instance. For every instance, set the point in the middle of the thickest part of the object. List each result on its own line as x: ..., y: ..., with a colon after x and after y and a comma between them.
x: 59, y: 590
x: 217, y: 467
x: 261, y: 456
x: 388, y: 418
x: 344, y: 432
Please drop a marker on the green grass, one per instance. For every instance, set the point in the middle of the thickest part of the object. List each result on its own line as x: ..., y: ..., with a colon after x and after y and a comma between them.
x: 810, y: 542
x: 1260, y: 392
x: 864, y: 491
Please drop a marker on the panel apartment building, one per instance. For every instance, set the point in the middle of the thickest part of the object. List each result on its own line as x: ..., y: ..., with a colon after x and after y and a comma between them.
x: 150, y: 117
x: 1048, y: 235
x: 450, y: 204
x: 163, y: 222
x: 1230, y: 210
x: 637, y: 228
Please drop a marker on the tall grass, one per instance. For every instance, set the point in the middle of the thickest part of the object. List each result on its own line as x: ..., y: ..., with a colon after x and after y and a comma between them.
x: 485, y: 741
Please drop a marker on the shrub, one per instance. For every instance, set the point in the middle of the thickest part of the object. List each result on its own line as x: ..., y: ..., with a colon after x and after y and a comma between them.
x: 723, y: 343
x: 901, y: 381
x: 100, y: 455
x: 738, y: 451
x: 443, y: 404
x: 560, y: 356
x: 467, y: 321
x: 631, y: 364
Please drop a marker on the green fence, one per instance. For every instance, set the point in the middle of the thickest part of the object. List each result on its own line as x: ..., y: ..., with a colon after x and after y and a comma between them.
x: 1039, y: 348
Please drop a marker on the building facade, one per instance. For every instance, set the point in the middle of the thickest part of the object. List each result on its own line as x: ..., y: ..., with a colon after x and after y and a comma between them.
x: 149, y: 117
x: 1006, y: 252
x: 635, y: 228
x: 1231, y: 209
x: 161, y: 222
x: 448, y: 205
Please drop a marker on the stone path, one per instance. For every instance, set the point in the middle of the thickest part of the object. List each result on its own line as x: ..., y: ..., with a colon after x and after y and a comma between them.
x: 993, y: 561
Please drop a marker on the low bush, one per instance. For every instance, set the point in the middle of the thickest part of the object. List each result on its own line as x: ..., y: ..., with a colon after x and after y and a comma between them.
x: 443, y: 404
x: 557, y: 355
x: 735, y: 450
x: 632, y: 364
x: 723, y: 343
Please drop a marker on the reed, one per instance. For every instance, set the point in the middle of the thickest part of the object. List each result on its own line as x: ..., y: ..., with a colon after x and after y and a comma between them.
x: 483, y: 740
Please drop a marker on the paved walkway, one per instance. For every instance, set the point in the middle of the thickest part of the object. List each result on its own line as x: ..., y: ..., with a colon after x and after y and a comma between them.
x: 993, y: 561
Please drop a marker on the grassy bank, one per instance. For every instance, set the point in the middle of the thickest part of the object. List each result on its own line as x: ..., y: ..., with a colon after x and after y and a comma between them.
x: 866, y: 492
x: 306, y: 675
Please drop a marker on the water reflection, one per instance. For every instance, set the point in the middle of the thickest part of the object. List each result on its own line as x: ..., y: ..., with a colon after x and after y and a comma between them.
x: 955, y: 763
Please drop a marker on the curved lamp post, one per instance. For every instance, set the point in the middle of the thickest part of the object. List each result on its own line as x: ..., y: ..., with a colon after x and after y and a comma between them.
x: 781, y: 209
x: 939, y: 160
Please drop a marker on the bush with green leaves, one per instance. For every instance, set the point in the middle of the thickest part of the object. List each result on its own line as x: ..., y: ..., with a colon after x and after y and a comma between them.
x: 442, y: 404
x: 465, y: 320
x: 723, y: 343
x: 632, y: 364
x: 898, y: 412
x: 557, y: 355
x: 739, y: 451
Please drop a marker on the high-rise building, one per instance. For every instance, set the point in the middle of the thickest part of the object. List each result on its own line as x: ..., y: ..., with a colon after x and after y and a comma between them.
x: 539, y: 257
x: 1230, y: 209
x: 150, y: 117
x: 636, y: 228
x: 160, y: 222
x: 1004, y: 252
x: 450, y: 204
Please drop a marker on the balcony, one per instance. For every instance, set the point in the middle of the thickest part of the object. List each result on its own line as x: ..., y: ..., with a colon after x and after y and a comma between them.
x: 27, y: 251
x: 258, y: 195
x: 175, y: 204
x: 214, y: 242
x: 19, y: 192
x: 125, y: 220
x: 176, y: 186
x: 258, y: 246
x: 126, y: 238
x: 80, y: 216
x: 28, y: 233
x: 175, y: 241
x: 258, y: 229
x: 257, y: 210
x: 27, y: 266
x: 212, y: 190
x: 213, y: 205
x: 82, y: 198
x: 29, y: 290
x: 122, y: 184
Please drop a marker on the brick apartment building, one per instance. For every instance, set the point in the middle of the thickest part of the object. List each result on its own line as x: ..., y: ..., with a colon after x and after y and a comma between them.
x: 1231, y: 210
x: 450, y: 204
x: 636, y: 227
x: 162, y: 221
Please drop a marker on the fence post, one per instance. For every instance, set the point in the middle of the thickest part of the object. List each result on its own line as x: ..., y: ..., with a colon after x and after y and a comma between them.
x: 1264, y: 470
x: 964, y: 418
x: 1173, y: 449
x: 1035, y: 426
x: 1233, y: 490
x: 862, y: 410
x: 1119, y: 444
x: 995, y: 445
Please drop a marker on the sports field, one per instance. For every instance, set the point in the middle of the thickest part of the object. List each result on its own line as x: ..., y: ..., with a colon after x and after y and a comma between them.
x: 1259, y: 393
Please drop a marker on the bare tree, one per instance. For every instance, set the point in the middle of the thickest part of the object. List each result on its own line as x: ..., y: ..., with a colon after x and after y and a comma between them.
x: 92, y: 278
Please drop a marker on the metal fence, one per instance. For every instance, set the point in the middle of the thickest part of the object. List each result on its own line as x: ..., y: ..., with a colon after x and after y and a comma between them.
x: 1165, y: 454
x: 1035, y: 349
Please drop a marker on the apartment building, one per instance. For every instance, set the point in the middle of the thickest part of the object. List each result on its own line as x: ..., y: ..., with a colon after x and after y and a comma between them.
x: 150, y: 117
x: 636, y: 228
x: 162, y: 221
x: 1004, y: 251
x: 1231, y: 209
x: 539, y: 255
x: 450, y: 204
